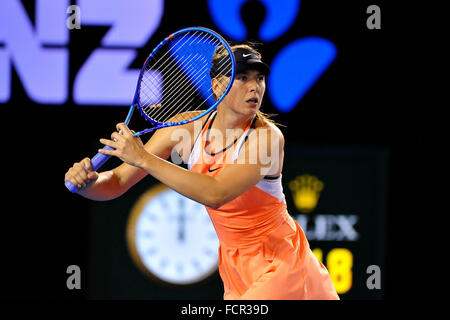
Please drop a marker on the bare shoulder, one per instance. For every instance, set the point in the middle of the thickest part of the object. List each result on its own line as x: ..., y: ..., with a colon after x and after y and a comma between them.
x: 182, y: 137
x: 270, y: 129
x: 268, y: 139
x: 188, y: 115
x: 165, y: 139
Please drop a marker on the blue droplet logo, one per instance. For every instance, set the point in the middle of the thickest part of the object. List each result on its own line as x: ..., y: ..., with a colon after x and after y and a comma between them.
x: 280, y: 15
x: 296, y: 68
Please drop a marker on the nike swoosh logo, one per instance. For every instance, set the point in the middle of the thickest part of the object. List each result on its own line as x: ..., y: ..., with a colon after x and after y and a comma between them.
x: 246, y: 55
x: 212, y: 170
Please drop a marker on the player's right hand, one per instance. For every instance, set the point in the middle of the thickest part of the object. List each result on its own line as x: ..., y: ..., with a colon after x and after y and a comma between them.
x: 81, y: 174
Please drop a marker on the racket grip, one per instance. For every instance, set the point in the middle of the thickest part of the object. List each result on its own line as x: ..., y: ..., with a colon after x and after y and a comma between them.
x: 96, y: 162
x: 72, y: 188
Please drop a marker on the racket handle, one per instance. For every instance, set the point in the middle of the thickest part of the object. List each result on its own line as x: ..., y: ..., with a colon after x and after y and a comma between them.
x: 99, y: 159
x: 96, y: 162
x: 72, y: 188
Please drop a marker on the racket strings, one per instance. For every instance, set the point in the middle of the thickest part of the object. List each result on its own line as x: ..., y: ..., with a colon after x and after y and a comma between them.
x: 181, y: 94
x: 179, y: 91
x: 198, y: 103
x: 185, y: 61
x: 179, y: 80
x: 166, y: 66
x: 148, y: 81
x: 171, y: 68
x: 187, y: 94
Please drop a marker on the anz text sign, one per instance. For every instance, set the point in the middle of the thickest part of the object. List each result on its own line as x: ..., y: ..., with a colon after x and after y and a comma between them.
x: 40, y: 56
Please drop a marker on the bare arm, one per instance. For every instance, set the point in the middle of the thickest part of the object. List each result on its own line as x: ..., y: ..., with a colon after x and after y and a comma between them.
x: 232, y: 181
x: 113, y: 183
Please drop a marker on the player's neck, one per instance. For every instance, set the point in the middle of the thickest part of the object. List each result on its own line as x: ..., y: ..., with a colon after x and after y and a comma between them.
x: 228, y: 119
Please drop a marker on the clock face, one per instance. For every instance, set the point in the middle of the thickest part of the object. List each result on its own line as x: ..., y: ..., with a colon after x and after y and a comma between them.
x: 171, y: 237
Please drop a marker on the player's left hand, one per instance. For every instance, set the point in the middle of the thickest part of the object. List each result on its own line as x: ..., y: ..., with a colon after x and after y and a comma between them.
x: 128, y: 148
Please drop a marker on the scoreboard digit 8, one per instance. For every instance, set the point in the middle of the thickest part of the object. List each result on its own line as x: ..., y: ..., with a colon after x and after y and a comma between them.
x: 338, y: 196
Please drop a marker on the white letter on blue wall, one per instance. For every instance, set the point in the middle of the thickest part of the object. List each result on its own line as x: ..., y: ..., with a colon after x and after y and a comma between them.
x: 42, y: 71
x: 105, y: 77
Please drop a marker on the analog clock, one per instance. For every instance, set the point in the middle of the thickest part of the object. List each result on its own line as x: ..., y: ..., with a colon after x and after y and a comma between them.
x: 171, y: 237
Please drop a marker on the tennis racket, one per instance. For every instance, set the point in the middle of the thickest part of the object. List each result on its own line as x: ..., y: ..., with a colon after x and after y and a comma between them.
x: 176, y: 80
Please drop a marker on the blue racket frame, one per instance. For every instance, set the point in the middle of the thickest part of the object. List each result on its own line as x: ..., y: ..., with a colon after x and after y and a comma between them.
x: 99, y: 159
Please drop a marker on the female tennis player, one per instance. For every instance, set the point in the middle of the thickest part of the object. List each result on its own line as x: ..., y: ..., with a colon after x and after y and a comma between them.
x: 263, y: 252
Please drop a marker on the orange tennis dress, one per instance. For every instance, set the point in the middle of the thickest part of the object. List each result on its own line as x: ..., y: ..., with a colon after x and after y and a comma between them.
x: 263, y: 251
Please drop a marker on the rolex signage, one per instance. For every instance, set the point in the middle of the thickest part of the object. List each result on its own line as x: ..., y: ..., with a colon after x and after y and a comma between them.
x: 337, y: 195
x: 305, y: 191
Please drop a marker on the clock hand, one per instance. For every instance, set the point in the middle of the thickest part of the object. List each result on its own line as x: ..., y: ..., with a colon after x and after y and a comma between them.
x: 181, y: 221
